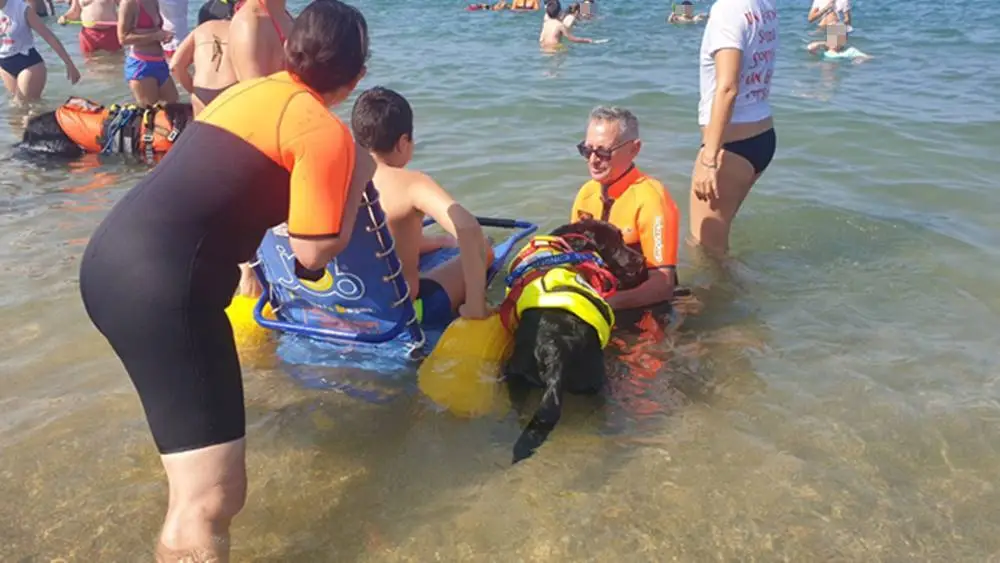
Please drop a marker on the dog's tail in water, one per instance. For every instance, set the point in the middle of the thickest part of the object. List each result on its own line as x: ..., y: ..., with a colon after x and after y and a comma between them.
x: 548, y: 413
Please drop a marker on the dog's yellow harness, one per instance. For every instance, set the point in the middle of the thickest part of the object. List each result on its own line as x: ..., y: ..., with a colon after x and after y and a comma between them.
x: 548, y: 274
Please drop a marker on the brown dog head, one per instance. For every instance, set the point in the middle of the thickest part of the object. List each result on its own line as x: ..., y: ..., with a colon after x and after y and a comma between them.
x: 606, y: 240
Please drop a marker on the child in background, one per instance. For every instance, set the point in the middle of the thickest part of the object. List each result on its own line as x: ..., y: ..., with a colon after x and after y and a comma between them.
x: 99, y: 24
x: 553, y: 29
x: 21, y: 67
x: 206, y: 49
x: 835, y: 46
x: 140, y: 26
x: 572, y: 13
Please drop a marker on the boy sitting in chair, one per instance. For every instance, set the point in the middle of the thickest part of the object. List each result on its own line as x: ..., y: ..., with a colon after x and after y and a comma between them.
x: 382, y: 121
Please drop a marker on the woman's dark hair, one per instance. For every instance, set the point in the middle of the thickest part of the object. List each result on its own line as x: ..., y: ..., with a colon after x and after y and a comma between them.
x: 216, y: 10
x: 574, y: 8
x: 328, y: 45
x: 552, y: 8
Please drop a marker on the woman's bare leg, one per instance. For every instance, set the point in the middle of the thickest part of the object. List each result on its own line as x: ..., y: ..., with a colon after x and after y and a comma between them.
x: 712, y: 220
x: 145, y: 91
x: 31, y: 81
x: 208, y: 488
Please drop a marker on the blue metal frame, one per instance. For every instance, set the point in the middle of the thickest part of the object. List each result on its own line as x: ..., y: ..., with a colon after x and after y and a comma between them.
x: 377, y: 216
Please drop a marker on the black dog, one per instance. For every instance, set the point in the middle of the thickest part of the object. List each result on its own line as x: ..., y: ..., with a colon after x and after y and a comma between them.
x: 559, y: 351
x: 44, y: 135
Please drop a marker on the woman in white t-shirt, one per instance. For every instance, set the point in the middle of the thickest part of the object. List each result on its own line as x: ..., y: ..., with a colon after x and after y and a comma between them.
x: 21, y: 66
x: 738, y: 50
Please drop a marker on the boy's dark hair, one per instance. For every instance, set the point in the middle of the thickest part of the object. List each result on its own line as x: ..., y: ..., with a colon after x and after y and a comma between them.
x: 687, y: 3
x: 216, y: 10
x: 328, y: 45
x: 552, y: 8
x: 380, y: 118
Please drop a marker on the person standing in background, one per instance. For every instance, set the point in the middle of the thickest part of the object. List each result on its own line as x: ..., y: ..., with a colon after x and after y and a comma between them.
x: 829, y: 12
x: 738, y: 50
x: 175, y: 21
x: 256, y: 48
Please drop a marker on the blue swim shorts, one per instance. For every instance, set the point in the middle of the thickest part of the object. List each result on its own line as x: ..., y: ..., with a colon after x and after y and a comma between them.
x: 137, y: 69
x: 433, y: 304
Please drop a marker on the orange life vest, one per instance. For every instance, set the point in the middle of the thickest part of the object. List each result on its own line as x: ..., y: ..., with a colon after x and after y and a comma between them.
x: 138, y: 130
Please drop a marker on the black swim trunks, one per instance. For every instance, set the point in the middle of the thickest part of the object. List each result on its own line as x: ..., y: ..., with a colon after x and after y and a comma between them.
x: 758, y: 150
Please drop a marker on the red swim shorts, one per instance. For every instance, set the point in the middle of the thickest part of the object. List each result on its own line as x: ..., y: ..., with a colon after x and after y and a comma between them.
x: 93, y: 39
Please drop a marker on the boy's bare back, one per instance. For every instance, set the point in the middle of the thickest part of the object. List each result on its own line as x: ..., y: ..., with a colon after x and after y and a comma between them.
x: 397, y: 188
x: 553, y: 31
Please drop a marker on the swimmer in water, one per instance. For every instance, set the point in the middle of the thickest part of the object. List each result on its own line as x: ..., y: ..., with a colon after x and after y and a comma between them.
x: 525, y: 5
x: 572, y: 13
x: 553, y: 29
x: 382, y: 121
x: 686, y: 14
x: 207, y: 49
x: 99, y: 29
x: 588, y: 9
x: 835, y: 46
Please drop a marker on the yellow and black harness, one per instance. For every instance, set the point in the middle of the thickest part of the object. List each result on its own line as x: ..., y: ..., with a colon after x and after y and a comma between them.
x: 548, y: 274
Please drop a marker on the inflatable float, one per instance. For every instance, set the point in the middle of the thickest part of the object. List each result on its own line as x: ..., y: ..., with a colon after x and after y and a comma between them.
x: 360, y: 313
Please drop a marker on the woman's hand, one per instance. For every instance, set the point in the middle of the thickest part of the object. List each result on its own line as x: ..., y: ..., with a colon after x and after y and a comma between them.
x: 163, y: 36
x: 72, y: 73
x: 475, y: 312
x: 705, y: 178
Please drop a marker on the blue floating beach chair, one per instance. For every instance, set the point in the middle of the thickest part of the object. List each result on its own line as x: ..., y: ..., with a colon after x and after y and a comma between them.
x: 368, y: 301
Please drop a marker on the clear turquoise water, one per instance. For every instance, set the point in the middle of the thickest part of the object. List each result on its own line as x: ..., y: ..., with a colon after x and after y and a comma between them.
x: 831, y: 395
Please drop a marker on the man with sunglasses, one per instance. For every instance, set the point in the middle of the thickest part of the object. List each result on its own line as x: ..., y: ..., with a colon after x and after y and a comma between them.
x: 622, y: 195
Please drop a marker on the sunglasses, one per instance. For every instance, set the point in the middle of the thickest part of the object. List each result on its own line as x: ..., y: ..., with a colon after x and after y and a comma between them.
x: 601, y: 153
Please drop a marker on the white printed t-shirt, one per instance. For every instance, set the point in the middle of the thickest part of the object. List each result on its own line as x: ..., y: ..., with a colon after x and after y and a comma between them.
x: 839, y: 6
x: 752, y: 27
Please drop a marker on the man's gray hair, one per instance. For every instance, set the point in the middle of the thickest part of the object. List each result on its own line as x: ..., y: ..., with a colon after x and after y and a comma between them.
x: 628, y: 123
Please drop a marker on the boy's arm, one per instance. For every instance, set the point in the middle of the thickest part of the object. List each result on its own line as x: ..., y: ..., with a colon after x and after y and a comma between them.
x: 431, y: 199
x: 571, y: 37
